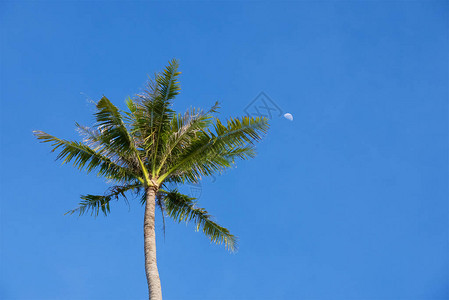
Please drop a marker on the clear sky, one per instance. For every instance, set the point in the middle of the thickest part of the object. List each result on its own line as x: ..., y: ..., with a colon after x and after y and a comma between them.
x: 348, y: 201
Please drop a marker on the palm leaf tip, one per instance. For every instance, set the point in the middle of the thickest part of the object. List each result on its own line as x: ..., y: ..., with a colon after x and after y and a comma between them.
x: 181, y: 208
x: 219, y: 235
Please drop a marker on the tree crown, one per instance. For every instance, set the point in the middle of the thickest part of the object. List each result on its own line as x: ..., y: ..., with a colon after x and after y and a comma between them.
x: 151, y: 145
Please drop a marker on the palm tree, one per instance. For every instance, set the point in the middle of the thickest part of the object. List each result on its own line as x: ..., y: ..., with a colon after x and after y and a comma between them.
x: 149, y: 149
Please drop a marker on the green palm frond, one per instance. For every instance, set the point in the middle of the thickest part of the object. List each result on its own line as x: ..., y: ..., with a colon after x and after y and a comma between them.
x: 97, y: 203
x: 184, y: 129
x: 86, y: 158
x: 112, y: 130
x: 168, y: 86
x: 152, y: 106
x: 152, y: 114
x: 212, y: 152
x: 241, y: 130
x: 182, y: 208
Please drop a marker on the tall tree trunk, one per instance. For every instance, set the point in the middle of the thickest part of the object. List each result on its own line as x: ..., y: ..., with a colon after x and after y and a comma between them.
x: 154, y: 283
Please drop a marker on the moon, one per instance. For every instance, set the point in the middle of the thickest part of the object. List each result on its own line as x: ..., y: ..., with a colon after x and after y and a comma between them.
x: 288, y: 116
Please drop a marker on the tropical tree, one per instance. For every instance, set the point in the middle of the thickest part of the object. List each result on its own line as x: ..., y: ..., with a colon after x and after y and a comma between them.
x: 151, y: 148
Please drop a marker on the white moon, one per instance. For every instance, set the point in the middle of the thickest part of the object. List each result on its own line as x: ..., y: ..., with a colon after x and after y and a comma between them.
x: 288, y: 116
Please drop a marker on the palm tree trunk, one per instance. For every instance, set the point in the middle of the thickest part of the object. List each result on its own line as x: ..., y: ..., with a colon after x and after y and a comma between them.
x: 154, y: 283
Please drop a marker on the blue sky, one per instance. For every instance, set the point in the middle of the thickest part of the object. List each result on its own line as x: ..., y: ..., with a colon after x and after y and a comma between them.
x: 348, y: 201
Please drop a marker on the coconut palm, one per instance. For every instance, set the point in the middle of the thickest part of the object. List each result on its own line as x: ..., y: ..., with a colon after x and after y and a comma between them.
x: 149, y: 149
